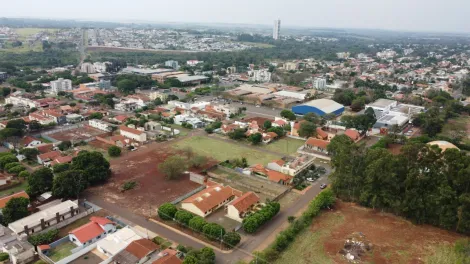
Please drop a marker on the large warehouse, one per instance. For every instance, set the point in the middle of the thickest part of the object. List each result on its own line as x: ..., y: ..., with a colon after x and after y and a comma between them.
x: 320, y: 107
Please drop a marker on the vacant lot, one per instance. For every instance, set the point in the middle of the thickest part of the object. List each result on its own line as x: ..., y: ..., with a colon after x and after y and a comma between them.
x: 286, y: 145
x: 461, y: 123
x: 15, y: 189
x: 152, y: 188
x: 394, y: 239
x: 76, y: 134
x: 223, y: 150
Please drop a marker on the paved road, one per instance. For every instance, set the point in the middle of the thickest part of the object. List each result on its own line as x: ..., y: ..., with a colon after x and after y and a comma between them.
x: 243, y: 251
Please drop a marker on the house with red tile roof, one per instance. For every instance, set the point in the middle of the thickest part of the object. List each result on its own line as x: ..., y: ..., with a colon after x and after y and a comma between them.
x: 210, y: 199
x: 87, y: 234
x: 138, y: 251
x: 29, y: 142
x: 48, y: 157
x: 241, y: 206
x: 228, y: 128
x: 133, y: 133
x: 268, y: 137
x: 353, y: 134
x: 321, y: 134
x: 61, y: 160
x: 279, y: 177
x: 167, y: 256
x: 120, y: 118
x: 317, y: 145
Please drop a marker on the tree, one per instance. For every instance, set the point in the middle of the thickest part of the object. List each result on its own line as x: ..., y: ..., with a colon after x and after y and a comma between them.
x: 29, y: 153
x: 173, y: 167
x: 114, y: 151
x: 61, y: 167
x: 15, y: 209
x: 16, y: 170
x: 288, y: 115
x: 237, y: 134
x: 307, y: 129
x: 207, y: 255
x: 231, y: 239
x: 255, y: 138
x: 96, y: 115
x: 198, y: 161
x: 94, y: 166
x: 69, y: 184
x: 24, y: 174
x: 183, y: 217
x: 10, y: 132
x: 167, y: 211
x: 312, y: 117
x: 6, y: 159
x: 188, y: 152
x: 126, y: 86
x: 18, y: 124
x: 278, y: 130
x: 267, y: 124
x: 197, y: 223
x: 39, y: 182
x: 357, y: 104
x: 34, y: 125
x: 213, y: 231
x: 64, y: 145
x: 4, y: 256
x: 190, y: 260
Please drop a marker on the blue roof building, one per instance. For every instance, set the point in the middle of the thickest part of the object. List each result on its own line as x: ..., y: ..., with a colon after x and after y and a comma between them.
x: 320, y: 107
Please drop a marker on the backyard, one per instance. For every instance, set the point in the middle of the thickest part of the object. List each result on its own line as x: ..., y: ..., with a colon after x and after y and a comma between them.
x: 394, y: 240
x: 223, y: 150
x: 15, y: 189
x: 61, y: 251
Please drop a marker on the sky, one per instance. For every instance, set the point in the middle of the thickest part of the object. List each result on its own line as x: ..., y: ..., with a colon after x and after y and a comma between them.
x: 406, y: 15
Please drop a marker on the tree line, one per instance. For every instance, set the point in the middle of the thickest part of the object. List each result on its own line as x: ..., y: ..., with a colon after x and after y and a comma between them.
x: 423, y: 183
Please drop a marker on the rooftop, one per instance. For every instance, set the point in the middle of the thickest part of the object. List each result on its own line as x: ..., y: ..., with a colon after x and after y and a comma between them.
x: 6, y: 199
x: 382, y: 103
x: 244, y: 202
x: 211, y: 196
x: 35, y: 219
x: 326, y: 105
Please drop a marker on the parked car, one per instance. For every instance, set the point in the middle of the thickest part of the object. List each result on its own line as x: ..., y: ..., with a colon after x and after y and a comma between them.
x: 310, y: 179
x: 323, y: 186
x: 258, y: 106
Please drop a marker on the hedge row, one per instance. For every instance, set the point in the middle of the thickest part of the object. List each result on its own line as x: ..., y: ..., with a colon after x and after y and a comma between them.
x: 254, y: 221
x: 212, y: 231
x: 286, y: 237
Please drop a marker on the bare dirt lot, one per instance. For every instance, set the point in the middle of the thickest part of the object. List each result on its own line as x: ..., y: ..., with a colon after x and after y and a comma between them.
x: 152, y: 188
x: 394, y: 239
x: 77, y: 134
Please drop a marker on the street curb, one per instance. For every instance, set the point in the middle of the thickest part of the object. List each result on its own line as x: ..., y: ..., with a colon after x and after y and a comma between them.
x: 191, y: 237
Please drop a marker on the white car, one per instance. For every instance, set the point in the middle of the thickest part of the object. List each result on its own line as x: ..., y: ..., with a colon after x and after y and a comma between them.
x: 258, y: 106
x: 310, y: 179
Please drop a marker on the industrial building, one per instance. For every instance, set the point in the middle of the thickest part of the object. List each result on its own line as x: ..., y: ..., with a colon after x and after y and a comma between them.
x: 390, y: 113
x: 320, y: 107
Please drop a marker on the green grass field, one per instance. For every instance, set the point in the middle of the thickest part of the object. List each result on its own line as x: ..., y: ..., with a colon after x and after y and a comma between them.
x: 221, y: 151
x: 286, y: 145
x: 15, y: 189
x: 308, y: 246
x: 62, y: 251
x: 26, y: 32
x: 460, y: 123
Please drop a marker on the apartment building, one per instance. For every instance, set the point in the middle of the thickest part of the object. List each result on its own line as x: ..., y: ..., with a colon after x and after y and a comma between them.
x: 61, y: 85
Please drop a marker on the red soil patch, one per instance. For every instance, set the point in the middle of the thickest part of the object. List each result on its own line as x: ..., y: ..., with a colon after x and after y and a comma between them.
x: 99, y: 144
x: 153, y: 189
x: 77, y: 134
x: 395, y: 148
x: 394, y: 239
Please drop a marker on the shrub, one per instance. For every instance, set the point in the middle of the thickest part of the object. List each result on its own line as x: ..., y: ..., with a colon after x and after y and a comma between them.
x: 114, y: 151
x: 44, y: 238
x: 183, y: 217
x: 254, y: 221
x: 11, y: 165
x: 4, y: 256
x: 17, y: 169
x: 167, y: 211
x: 182, y: 248
x: 128, y: 185
x: 213, y: 231
x: 197, y: 223
x: 231, y: 239
x: 24, y: 174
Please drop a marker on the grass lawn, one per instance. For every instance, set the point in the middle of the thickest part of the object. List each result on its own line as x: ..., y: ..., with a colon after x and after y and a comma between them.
x: 15, y: 189
x: 45, y: 140
x: 285, y: 145
x: 308, y: 246
x: 62, y: 251
x: 26, y: 32
x: 221, y: 150
x: 462, y: 122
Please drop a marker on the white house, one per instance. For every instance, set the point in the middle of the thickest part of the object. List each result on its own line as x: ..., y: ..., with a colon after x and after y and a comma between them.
x: 238, y: 208
x: 101, y: 125
x: 132, y: 133
x: 114, y: 243
x: 17, y: 100
x: 45, y: 218
x: 18, y: 248
x: 87, y: 234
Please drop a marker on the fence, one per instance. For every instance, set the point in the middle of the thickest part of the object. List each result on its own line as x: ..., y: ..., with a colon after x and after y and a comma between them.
x: 181, y: 198
x: 59, y: 242
x: 53, y: 140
